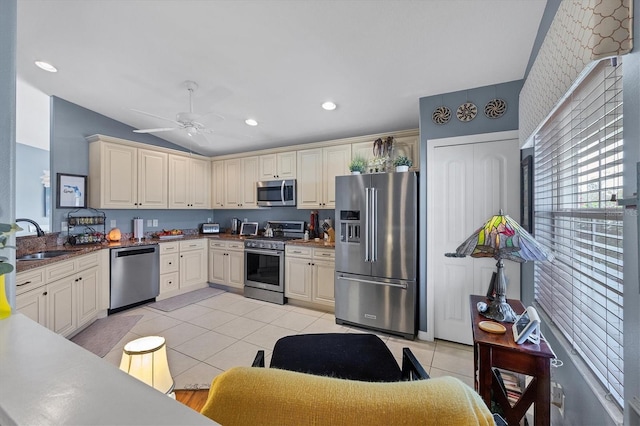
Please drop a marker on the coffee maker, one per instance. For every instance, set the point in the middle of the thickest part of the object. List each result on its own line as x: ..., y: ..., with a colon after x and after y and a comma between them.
x: 235, y: 226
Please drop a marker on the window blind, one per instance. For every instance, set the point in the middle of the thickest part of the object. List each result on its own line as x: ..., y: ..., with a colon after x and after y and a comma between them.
x: 577, y: 170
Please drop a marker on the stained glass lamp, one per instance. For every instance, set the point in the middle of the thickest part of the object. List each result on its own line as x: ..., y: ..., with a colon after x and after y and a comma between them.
x: 501, y: 237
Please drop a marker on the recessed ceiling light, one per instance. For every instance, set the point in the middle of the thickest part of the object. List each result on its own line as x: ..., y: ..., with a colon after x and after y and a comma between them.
x: 329, y: 106
x: 251, y: 122
x: 46, y: 66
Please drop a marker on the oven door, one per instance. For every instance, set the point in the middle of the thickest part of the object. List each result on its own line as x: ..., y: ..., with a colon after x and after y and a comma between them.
x: 264, y: 269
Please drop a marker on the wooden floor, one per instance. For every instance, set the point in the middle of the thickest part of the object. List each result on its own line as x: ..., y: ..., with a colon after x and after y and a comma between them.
x: 193, y: 399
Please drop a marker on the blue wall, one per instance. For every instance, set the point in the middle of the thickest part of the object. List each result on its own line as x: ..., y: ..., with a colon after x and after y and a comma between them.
x: 8, y: 23
x: 31, y: 162
x: 70, y: 124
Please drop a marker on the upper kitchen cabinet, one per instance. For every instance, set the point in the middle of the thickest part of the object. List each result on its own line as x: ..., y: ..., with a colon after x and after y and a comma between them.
x: 406, y: 144
x: 217, y: 184
x: 126, y: 177
x: 189, y: 182
x: 317, y: 169
x: 278, y: 166
x: 240, y: 177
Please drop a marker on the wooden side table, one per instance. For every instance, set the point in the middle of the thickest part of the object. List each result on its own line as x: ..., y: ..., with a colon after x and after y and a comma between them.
x: 499, y: 350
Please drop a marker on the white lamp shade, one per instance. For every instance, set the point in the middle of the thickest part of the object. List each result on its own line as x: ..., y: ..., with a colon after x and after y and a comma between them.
x: 146, y: 360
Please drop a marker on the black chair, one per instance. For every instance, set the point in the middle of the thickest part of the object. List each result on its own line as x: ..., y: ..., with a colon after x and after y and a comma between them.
x: 353, y: 356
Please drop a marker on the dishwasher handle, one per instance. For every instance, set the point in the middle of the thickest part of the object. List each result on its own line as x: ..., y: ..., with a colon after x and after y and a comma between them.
x: 135, y: 252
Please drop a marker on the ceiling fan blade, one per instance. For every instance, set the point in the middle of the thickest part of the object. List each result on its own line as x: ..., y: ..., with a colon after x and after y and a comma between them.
x: 162, y: 129
x: 156, y: 116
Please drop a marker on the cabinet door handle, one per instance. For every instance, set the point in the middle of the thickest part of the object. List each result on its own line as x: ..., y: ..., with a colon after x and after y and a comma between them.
x: 170, y: 282
x: 170, y: 263
x: 24, y: 283
x: 80, y: 279
x: 44, y: 294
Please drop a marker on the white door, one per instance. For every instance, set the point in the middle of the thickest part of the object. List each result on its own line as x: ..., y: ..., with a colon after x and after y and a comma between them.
x: 471, y: 183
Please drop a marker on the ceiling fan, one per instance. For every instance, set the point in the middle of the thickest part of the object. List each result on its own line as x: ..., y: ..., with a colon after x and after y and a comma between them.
x: 188, y: 121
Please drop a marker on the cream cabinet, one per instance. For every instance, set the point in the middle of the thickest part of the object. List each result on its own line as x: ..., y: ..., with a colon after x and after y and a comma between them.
x: 183, y: 267
x: 249, y: 179
x: 189, y: 183
x: 317, y: 169
x: 64, y: 296
x: 226, y: 263
x: 408, y: 146
x: 125, y: 177
x: 240, y: 177
x: 218, y: 180
x: 169, y: 267
x: 281, y: 165
x: 193, y: 263
x: 33, y: 304
x: 309, y: 274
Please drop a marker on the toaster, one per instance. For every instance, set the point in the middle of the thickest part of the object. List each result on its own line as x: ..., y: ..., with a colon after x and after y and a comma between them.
x: 209, y: 228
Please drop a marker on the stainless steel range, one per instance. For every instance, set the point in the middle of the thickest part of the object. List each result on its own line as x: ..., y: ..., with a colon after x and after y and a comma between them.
x: 264, y: 261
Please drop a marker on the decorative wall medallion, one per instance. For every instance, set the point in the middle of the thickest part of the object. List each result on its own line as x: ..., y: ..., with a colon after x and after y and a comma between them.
x: 495, y: 108
x: 467, y: 111
x: 441, y: 115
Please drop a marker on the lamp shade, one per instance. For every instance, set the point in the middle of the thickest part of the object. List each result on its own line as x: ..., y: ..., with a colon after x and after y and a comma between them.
x: 146, y: 360
x: 501, y: 237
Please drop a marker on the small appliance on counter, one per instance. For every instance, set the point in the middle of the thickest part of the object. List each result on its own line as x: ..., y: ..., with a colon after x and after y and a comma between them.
x: 138, y: 229
x: 249, y: 228
x: 209, y: 228
x: 235, y: 226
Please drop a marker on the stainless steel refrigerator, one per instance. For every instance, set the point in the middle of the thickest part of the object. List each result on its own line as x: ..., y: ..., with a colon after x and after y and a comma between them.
x: 376, y: 251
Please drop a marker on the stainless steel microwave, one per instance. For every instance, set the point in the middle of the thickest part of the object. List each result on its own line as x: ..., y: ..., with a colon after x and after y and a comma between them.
x: 274, y: 193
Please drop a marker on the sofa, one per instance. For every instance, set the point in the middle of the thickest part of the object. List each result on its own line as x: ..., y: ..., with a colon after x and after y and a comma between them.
x: 270, y: 396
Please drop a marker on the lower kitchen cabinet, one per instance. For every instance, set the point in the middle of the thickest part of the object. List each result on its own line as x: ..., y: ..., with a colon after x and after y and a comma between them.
x: 33, y: 304
x: 226, y: 263
x: 309, y: 274
x: 61, y: 317
x: 183, y: 267
x: 88, y: 292
x: 66, y: 303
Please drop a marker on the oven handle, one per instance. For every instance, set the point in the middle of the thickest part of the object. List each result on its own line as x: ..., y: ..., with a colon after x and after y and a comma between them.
x: 278, y: 253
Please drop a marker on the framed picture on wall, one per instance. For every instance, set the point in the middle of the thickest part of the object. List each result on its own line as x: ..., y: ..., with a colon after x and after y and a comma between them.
x: 526, y: 194
x: 72, y: 191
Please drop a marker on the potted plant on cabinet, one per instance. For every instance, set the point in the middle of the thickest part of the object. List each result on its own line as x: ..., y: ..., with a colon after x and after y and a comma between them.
x: 402, y: 163
x: 358, y: 165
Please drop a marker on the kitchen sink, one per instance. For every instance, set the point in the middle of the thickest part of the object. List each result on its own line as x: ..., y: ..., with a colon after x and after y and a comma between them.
x: 44, y: 255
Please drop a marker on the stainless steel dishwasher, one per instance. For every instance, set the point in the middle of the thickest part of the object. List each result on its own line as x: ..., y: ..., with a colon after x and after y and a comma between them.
x: 135, y: 275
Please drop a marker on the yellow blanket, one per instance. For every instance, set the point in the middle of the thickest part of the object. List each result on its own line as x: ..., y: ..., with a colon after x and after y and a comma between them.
x: 268, y: 396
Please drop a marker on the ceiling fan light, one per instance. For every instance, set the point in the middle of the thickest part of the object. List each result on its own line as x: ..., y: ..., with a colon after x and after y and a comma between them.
x: 46, y: 66
x: 329, y: 106
x: 191, y: 130
x: 251, y: 122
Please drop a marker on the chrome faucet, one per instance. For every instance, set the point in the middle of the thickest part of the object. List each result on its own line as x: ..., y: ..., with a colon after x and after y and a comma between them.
x: 39, y: 230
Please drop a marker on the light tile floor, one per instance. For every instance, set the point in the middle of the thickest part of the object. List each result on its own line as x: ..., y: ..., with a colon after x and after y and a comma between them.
x: 215, y: 334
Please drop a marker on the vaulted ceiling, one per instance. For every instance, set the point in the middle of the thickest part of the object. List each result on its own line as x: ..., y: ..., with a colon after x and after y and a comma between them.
x: 275, y: 61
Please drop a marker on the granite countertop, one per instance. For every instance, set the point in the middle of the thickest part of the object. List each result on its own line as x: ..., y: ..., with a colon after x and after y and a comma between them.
x: 80, y: 250
x: 312, y: 243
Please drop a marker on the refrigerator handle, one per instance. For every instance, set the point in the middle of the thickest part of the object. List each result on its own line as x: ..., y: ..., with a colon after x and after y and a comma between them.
x: 374, y: 223
x: 360, y: 280
x: 366, y: 225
